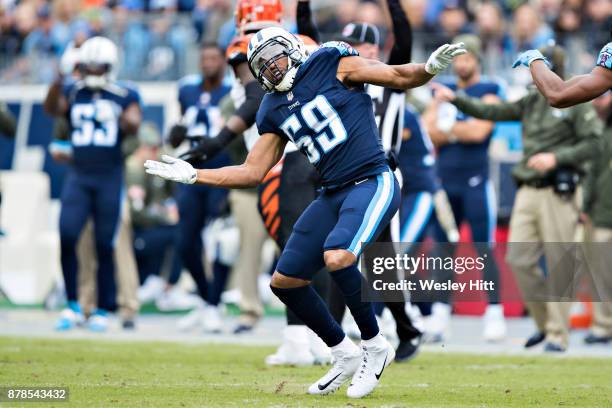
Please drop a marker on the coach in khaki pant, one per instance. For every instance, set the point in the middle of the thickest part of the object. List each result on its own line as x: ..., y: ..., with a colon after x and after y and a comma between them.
x: 253, y: 235
x: 598, y: 217
x: 553, y: 140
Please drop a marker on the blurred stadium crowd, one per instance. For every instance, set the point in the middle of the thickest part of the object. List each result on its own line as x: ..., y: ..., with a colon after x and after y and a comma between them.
x: 163, y: 224
x: 159, y: 38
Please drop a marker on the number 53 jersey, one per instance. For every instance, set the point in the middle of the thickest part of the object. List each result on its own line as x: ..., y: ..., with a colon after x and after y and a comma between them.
x: 331, y: 124
x: 94, y: 125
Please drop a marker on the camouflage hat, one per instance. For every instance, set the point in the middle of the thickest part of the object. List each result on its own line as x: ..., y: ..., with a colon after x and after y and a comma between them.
x: 148, y: 135
x: 555, y: 54
x: 472, y: 43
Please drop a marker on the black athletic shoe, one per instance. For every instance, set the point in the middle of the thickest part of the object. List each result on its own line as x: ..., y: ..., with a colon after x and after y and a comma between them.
x: 593, y: 339
x: 128, y: 324
x: 554, y: 348
x: 243, y: 328
x: 535, y: 339
x: 407, y: 349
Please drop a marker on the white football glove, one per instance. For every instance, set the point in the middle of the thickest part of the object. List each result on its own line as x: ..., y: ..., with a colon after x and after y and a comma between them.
x: 441, y: 58
x: 172, y: 169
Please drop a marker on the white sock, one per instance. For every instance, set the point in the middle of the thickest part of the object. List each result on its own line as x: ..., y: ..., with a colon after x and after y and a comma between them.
x: 376, y: 341
x: 346, y: 346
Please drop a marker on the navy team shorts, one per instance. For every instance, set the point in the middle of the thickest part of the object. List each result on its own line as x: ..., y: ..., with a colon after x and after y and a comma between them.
x: 347, y: 218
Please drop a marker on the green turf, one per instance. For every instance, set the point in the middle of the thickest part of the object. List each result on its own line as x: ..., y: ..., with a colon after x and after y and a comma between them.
x: 147, y: 374
x: 149, y: 308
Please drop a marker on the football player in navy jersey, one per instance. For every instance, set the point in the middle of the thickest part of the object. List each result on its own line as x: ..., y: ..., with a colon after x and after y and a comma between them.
x: 581, y: 88
x: 388, y: 105
x: 101, y: 112
x: 463, y: 169
x: 199, y: 97
x: 416, y: 162
x: 319, y: 104
x: 424, y: 202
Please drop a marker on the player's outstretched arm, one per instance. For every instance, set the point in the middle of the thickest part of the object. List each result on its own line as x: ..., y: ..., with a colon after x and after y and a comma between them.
x: 561, y: 94
x: 265, y: 154
x: 358, y: 70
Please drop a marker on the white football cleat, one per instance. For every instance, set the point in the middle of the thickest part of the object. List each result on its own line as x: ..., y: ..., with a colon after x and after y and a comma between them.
x: 347, y: 357
x: 437, y: 324
x: 176, y: 299
x: 192, y: 319
x: 151, y: 289
x: 211, y: 319
x: 295, y: 349
x: 378, y: 353
x: 494, y: 323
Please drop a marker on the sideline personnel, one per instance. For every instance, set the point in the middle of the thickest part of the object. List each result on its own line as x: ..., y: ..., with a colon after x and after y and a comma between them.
x: 556, y: 144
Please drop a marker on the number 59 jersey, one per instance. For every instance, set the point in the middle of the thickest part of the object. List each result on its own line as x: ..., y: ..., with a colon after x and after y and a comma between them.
x: 94, y: 125
x: 331, y: 124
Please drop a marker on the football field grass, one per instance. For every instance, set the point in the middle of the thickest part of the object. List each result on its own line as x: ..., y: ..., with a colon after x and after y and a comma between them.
x: 150, y: 374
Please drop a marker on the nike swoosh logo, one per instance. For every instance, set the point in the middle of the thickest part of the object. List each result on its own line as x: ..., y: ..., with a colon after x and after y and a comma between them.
x: 382, y: 369
x: 360, y: 181
x: 324, y: 386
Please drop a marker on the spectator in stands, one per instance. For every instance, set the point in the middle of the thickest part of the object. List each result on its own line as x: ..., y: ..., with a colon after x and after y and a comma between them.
x: 491, y: 28
x: 167, y: 48
x: 65, y: 14
x: 567, y: 23
x: 598, y: 23
x: 129, y: 30
x: 549, y: 10
x: 529, y: 31
x: 154, y: 220
x: 186, y: 5
x: 331, y: 21
x: 568, y: 33
x: 48, y: 39
x: 415, y: 10
x: 371, y: 13
x: 16, y: 27
x: 209, y: 16
x: 453, y: 20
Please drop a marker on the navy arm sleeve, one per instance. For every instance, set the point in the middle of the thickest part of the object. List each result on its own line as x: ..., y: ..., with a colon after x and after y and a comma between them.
x: 305, y: 22
x: 248, y: 110
x: 401, y: 53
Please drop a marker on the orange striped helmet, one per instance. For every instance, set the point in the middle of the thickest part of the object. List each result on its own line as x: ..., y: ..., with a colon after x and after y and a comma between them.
x: 253, y: 15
